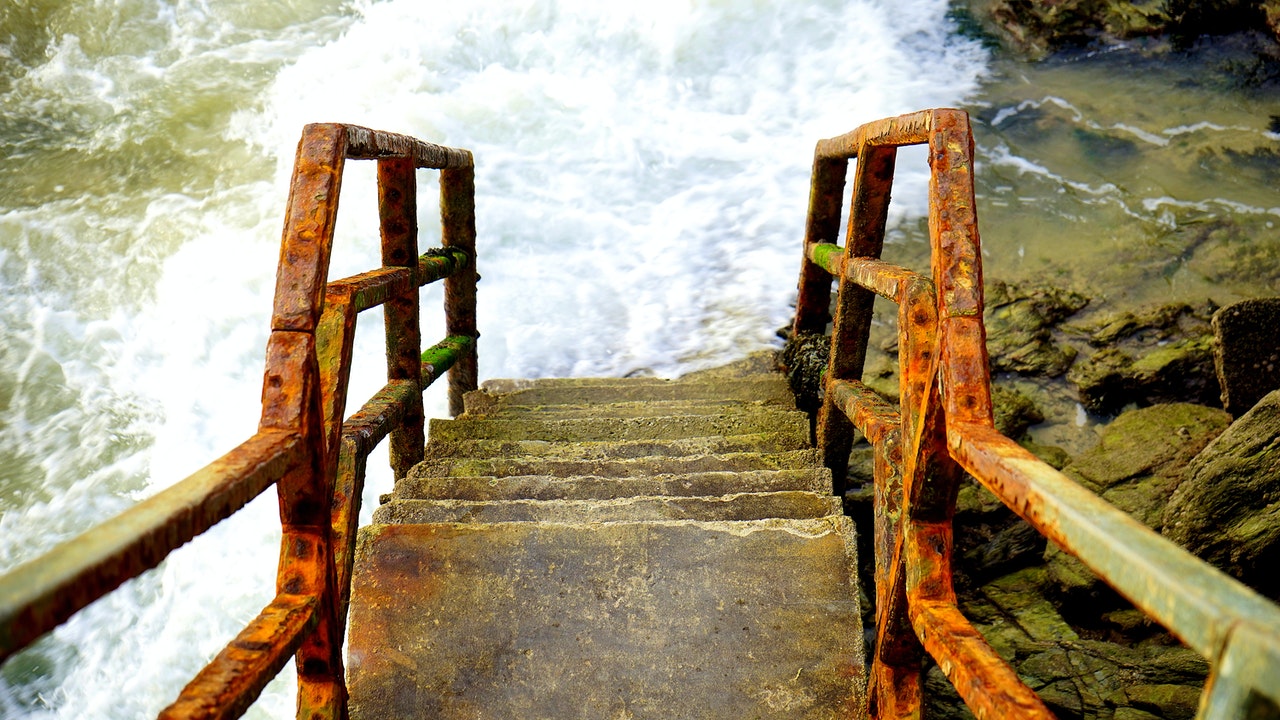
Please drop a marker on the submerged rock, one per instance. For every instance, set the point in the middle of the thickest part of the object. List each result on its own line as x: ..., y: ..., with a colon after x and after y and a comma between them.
x: 1227, y: 507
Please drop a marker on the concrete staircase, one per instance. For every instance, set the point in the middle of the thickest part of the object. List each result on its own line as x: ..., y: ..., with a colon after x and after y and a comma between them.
x: 634, y: 548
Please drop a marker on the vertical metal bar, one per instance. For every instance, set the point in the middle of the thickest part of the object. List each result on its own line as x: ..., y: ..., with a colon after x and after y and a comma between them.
x: 957, y: 271
x: 398, y: 211
x: 291, y: 400
x: 458, y: 218
x: 869, y: 208
x: 308, y: 228
x: 896, y: 681
x: 826, y: 191
x: 335, y: 338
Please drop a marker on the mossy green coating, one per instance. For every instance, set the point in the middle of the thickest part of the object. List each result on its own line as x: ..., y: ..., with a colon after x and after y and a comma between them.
x: 445, y: 353
x: 629, y: 428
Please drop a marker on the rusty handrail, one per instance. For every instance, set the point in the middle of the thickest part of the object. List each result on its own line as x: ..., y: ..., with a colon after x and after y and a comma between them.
x: 944, y: 425
x: 316, y: 460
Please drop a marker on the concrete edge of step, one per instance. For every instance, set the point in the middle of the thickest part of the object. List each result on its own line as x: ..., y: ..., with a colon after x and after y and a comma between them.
x: 802, y: 527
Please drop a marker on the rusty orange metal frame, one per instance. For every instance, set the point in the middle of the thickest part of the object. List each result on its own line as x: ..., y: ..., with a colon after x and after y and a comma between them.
x: 316, y: 460
x: 944, y: 425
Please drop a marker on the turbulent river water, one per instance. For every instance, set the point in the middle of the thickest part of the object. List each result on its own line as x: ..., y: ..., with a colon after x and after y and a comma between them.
x: 642, y: 175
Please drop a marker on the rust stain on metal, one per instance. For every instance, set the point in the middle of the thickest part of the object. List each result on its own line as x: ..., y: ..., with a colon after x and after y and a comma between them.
x: 236, y: 677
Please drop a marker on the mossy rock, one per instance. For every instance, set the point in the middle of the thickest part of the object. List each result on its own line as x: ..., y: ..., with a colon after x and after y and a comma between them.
x: 1020, y: 319
x: 1227, y: 507
x: 1182, y: 370
x: 1136, y: 466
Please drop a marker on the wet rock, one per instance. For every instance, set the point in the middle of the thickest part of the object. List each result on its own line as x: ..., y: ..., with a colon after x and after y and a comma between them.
x: 1157, y: 355
x: 1246, y: 352
x: 1036, y: 29
x: 1136, y: 466
x: 1189, y: 19
x: 1019, y: 319
x: 1174, y: 702
x: 1014, y: 412
x: 1227, y: 507
x: 804, y: 360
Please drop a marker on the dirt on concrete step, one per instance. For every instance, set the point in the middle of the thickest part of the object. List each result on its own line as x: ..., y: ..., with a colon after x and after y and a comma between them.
x: 677, y: 619
x: 616, y: 467
x: 738, y: 506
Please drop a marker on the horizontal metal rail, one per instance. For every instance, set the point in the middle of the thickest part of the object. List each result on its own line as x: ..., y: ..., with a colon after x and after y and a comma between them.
x: 303, y: 446
x: 943, y: 426
x: 40, y: 594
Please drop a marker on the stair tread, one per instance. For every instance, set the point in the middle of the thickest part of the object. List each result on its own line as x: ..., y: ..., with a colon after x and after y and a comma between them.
x: 616, y: 467
x: 585, y: 487
x: 617, y: 449
x: 740, y: 422
x: 772, y: 389
x: 787, y: 504
x: 623, y: 408
x: 683, y: 619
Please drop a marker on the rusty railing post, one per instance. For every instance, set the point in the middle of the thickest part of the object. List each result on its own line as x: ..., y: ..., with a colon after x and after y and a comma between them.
x: 292, y: 399
x: 458, y: 218
x: 398, y: 210
x: 851, y: 326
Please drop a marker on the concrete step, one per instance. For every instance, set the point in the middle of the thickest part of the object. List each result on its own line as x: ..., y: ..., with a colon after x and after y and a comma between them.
x: 596, y: 487
x: 497, y: 394
x: 740, y: 506
x: 620, y: 467
x: 618, y: 620
x: 632, y: 428
x: 618, y: 449
x: 654, y: 408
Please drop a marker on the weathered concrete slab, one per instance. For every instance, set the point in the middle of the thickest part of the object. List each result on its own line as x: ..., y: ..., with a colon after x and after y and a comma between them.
x: 496, y: 394
x: 629, y: 620
x: 616, y: 467
x: 606, y: 449
x: 738, y: 506
x: 597, y: 487
x: 504, y: 427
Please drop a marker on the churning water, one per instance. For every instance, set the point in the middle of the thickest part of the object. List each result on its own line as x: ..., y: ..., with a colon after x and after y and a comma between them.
x: 642, y: 178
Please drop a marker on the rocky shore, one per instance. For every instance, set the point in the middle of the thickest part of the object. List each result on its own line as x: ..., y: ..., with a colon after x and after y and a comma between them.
x: 1165, y: 406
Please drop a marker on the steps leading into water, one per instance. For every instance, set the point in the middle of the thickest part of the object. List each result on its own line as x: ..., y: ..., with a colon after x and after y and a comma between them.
x: 611, y: 549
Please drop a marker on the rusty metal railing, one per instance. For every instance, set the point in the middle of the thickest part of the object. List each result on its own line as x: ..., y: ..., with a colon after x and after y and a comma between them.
x: 316, y: 460
x: 944, y: 425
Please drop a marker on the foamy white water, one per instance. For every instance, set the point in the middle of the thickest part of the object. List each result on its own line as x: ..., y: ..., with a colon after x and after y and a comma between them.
x: 642, y: 175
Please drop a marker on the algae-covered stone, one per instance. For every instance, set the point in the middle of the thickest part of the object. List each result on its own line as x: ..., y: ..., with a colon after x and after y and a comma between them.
x: 1179, y: 371
x: 1154, y: 440
x: 1173, y: 702
x: 1019, y: 319
x: 1014, y: 412
x: 1136, y: 466
x: 1227, y: 509
x: 804, y: 360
